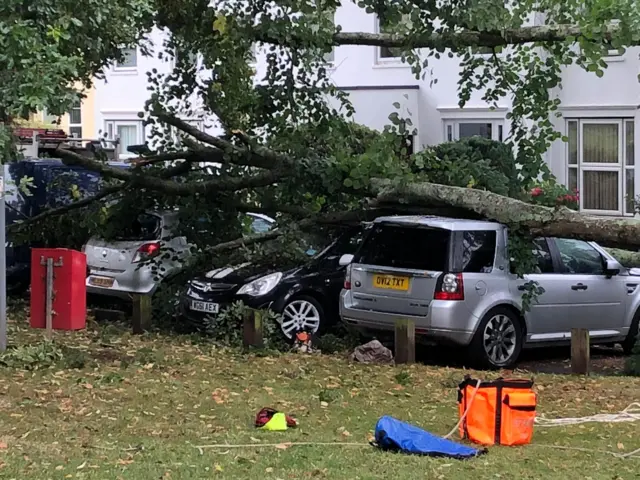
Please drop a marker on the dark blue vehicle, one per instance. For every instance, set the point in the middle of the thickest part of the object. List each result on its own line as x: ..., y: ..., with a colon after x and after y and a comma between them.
x: 50, y: 187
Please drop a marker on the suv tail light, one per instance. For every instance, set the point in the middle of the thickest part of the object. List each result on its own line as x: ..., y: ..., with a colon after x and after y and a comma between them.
x: 146, y: 251
x: 449, y: 287
x: 347, y: 278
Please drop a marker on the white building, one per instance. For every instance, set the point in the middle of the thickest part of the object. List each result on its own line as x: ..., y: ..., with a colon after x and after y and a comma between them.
x: 598, y: 114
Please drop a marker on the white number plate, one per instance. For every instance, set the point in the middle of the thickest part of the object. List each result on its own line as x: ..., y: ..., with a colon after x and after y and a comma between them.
x: 206, y: 307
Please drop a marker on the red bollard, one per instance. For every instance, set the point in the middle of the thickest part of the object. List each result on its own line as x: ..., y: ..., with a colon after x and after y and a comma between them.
x: 64, y: 306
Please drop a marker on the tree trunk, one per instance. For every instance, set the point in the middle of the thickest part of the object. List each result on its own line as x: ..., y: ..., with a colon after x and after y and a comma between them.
x: 538, y: 220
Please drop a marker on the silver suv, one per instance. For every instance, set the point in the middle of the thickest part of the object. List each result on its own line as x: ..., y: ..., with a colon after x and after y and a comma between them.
x: 452, y: 277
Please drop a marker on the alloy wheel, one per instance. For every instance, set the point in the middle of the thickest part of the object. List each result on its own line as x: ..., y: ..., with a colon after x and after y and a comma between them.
x: 300, y: 315
x: 499, y: 339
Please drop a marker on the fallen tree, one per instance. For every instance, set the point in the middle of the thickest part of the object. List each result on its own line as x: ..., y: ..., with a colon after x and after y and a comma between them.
x: 284, y: 150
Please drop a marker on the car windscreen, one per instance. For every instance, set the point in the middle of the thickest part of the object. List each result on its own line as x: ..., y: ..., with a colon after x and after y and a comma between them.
x: 397, y: 246
x: 145, y: 227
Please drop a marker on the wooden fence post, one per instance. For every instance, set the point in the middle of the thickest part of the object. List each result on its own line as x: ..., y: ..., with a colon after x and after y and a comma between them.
x: 252, y: 329
x: 580, y: 355
x: 405, y: 341
x: 142, y: 313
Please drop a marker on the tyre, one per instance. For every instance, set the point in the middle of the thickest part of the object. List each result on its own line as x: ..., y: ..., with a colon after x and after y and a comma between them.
x: 498, y: 340
x: 302, y: 313
x: 632, y: 337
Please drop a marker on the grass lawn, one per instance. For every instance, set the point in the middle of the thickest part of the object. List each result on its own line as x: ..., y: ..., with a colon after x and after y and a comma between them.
x: 141, y: 405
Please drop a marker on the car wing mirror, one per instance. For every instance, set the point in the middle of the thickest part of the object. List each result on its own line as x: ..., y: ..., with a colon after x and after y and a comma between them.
x: 346, y: 259
x: 612, y: 268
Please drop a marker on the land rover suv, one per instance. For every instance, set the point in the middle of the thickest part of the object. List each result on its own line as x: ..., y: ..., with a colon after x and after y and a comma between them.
x: 452, y: 277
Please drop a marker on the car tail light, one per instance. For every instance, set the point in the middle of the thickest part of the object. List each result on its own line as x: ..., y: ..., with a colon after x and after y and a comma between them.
x: 146, y: 251
x: 449, y: 287
x: 347, y: 278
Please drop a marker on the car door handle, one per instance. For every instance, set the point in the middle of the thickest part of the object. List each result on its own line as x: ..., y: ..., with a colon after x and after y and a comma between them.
x: 579, y: 286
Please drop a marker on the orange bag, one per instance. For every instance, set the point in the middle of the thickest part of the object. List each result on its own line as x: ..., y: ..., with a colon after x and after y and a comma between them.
x: 501, y: 412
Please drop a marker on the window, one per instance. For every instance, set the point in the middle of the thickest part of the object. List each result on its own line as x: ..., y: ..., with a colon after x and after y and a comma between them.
x: 406, y: 247
x: 75, y: 121
x: 478, y: 251
x: 145, y: 227
x: 49, y: 118
x: 385, y: 26
x: 601, y: 164
x: 578, y: 257
x: 128, y: 133
x: 260, y: 225
x: 458, y: 129
x: 129, y: 59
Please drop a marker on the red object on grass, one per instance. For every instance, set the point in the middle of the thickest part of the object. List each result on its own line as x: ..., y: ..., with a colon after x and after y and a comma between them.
x: 69, y: 288
x: 265, y: 415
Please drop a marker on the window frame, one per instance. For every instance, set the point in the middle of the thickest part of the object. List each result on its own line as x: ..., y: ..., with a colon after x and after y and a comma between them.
x: 621, y: 167
x: 112, y: 132
x: 76, y: 125
x: 117, y: 67
x: 452, y: 128
x: 379, y: 59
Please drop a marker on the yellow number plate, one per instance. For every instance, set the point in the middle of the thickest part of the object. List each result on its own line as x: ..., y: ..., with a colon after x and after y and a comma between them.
x: 101, y: 281
x: 391, y: 282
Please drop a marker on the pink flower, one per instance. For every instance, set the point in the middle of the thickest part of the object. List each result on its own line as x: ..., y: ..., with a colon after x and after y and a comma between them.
x: 536, y: 192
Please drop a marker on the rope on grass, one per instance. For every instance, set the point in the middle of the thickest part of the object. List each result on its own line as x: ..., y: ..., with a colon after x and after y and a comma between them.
x: 284, y: 446
x: 629, y: 414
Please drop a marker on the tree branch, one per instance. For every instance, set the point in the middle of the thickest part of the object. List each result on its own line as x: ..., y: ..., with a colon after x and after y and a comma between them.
x: 258, y: 156
x: 219, y: 184
x: 456, y: 40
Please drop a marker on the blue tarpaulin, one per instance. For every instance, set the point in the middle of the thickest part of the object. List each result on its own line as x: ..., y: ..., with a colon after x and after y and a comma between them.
x: 392, y: 434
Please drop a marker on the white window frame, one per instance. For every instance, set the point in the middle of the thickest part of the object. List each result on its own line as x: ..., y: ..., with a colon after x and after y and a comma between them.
x: 76, y: 125
x: 379, y: 59
x: 127, y: 69
x: 111, y: 129
x: 451, y: 131
x: 620, y: 167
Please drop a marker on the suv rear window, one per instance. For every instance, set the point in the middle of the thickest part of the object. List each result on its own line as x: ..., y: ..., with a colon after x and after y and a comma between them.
x: 145, y: 227
x: 414, y: 248
x: 478, y: 251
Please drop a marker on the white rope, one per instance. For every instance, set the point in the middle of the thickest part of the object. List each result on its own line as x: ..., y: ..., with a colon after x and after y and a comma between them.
x: 464, y: 415
x: 629, y: 414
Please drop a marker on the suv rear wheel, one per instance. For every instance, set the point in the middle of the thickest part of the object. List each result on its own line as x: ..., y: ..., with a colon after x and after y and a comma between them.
x: 498, y: 339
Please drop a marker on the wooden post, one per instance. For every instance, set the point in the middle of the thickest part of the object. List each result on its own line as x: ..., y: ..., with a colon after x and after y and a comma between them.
x: 580, y: 355
x: 252, y: 329
x: 142, y: 313
x: 405, y: 341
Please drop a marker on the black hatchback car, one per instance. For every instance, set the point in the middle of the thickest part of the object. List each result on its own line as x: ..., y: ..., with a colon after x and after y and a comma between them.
x: 307, y: 296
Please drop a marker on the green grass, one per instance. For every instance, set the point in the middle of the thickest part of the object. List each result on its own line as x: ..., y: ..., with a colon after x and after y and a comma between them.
x: 140, y: 406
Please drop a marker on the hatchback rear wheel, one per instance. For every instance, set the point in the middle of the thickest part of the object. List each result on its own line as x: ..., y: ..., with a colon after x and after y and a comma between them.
x: 498, y: 340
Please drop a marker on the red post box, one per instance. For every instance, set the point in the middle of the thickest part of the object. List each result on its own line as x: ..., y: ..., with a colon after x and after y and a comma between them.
x: 69, y: 296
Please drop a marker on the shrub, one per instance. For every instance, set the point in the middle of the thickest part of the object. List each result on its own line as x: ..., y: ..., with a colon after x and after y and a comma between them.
x: 226, y: 327
x: 471, y: 162
x: 553, y: 194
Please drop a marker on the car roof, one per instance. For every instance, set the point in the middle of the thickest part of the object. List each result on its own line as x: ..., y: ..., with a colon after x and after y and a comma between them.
x: 446, y: 223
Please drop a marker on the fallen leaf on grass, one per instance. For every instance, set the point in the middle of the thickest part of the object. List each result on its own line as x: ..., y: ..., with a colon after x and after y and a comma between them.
x: 88, y: 386
x: 122, y: 461
x: 218, y: 468
x: 268, y: 469
x: 283, y: 446
x: 346, y: 433
x: 620, y: 446
x: 3, y: 445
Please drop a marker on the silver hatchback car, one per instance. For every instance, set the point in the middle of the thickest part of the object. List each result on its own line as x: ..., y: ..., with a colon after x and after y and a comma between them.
x: 452, y: 278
